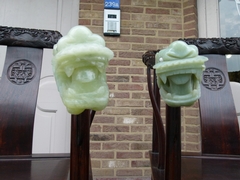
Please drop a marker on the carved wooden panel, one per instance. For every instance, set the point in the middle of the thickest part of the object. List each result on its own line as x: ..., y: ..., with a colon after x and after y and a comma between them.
x: 14, y: 36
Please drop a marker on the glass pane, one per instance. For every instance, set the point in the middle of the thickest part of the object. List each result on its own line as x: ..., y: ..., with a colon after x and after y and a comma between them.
x: 230, y: 27
x: 229, y: 18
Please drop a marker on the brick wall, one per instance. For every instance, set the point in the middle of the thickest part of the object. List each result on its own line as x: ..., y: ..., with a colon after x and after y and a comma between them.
x: 121, y: 133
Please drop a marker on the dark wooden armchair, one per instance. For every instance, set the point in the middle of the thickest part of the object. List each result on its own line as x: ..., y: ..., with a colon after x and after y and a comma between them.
x: 220, y: 138
x: 18, y: 95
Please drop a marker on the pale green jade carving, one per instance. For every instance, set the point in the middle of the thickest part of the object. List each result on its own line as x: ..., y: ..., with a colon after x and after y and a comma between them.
x: 79, y: 65
x: 179, y: 71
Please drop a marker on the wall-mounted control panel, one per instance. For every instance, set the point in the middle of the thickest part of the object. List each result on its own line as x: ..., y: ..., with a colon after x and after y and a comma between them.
x: 111, y: 24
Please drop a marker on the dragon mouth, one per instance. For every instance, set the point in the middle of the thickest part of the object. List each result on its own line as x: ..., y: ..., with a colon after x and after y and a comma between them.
x: 179, y: 72
x: 180, y: 86
x: 82, y: 84
x: 179, y: 80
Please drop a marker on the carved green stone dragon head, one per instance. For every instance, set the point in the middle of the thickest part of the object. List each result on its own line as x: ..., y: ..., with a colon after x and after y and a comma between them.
x: 179, y: 71
x: 79, y: 66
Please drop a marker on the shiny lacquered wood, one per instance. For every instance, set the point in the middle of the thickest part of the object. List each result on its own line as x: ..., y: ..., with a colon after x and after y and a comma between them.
x: 219, y: 126
x: 42, y: 168
x: 201, y: 168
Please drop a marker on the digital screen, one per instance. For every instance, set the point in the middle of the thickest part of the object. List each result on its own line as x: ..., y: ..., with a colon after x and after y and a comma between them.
x: 113, y: 16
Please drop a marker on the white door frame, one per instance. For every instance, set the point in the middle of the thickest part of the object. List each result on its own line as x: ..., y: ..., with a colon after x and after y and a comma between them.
x: 208, y: 18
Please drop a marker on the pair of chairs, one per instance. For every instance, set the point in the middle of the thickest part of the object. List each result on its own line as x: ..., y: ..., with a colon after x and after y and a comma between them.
x: 18, y: 95
x: 220, y: 139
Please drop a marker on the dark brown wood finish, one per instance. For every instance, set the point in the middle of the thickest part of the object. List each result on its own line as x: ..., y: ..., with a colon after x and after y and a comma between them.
x: 80, y: 154
x: 18, y: 102
x: 19, y: 86
x: 219, y: 123
x: 18, y: 95
x: 220, y: 132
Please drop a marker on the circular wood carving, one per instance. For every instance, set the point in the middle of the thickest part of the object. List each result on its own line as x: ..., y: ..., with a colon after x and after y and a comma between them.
x: 213, y: 79
x: 21, y: 72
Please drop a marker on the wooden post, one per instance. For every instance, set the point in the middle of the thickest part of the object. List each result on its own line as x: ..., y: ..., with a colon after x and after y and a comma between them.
x: 80, y: 168
x: 173, y: 143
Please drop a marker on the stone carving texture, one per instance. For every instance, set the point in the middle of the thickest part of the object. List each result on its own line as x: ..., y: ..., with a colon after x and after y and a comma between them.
x: 12, y: 36
x: 213, y: 79
x: 205, y: 46
x: 216, y: 45
x: 21, y: 72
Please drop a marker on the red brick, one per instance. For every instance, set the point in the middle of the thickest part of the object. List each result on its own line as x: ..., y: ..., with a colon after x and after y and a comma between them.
x: 125, y: 137
x: 140, y: 95
x: 157, y: 25
x: 84, y: 21
x: 143, y: 17
x: 119, y: 62
x: 95, y: 128
x: 85, y: 6
x: 101, y: 137
x: 157, y: 11
x: 177, y: 27
x: 111, y: 70
x: 147, y: 3
x: 132, y: 39
x: 140, y: 163
x: 118, y: 46
x: 95, y: 146
x: 141, y: 146
x: 130, y: 87
x: 124, y: 54
x: 116, y: 111
x: 129, y: 103
x: 144, y: 47
x: 97, y: 22
x: 111, y: 128
x: 115, y: 146
x: 142, y: 112
x: 130, y: 9
x: 131, y: 24
x: 103, y: 119
x: 117, y: 78
x: 119, y: 95
x: 129, y: 155
x: 142, y: 129
x: 130, y: 70
x: 162, y: 4
x: 102, y: 155
x: 158, y: 40
x: 139, y: 79
x: 129, y: 172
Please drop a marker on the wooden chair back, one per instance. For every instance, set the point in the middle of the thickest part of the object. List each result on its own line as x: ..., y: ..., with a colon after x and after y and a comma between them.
x: 19, y: 86
x: 219, y: 123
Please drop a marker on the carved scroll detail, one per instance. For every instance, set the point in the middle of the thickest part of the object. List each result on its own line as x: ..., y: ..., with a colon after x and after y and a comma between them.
x: 13, y: 36
x: 216, y: 45
x: 213, y: 79
x: 21, y: 72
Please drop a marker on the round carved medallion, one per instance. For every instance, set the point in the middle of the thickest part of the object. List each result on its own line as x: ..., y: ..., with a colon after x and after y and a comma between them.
x: 213, y: 79
x: 21, y: 72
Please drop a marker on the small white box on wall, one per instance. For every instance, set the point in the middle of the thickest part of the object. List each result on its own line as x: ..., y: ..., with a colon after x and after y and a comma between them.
x: 111, y: 25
